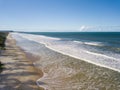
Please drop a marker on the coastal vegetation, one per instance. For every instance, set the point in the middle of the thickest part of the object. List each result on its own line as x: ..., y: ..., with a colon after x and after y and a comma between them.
x: 3, y: 36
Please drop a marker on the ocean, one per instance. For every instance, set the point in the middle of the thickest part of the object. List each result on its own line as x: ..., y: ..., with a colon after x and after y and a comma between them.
x: 74, y: 60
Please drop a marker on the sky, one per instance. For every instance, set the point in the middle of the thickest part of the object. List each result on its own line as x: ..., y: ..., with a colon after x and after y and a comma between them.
x: 60, y: 15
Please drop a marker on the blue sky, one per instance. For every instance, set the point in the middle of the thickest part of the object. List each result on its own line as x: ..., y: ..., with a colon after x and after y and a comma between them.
x: 60, y: 15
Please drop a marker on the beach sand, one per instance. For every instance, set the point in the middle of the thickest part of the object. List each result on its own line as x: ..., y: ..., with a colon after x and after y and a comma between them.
x: 19, y: 72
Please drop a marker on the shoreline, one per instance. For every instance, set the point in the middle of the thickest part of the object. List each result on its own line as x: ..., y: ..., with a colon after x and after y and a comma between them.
x: 85, y: 60
x: 19, y: 72
x: 77, y: 57
x: 63, y: 72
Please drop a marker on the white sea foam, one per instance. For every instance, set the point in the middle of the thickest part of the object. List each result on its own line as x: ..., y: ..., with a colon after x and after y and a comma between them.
x: 77, y: 41
x: 69, y: 48
x: 89, y: 43
x: 94, y: 43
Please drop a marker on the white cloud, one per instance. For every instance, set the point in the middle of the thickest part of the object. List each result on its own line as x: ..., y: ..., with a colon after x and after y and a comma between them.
x: 82, y: 28
x: 99, y: 28
x: 86, y: 28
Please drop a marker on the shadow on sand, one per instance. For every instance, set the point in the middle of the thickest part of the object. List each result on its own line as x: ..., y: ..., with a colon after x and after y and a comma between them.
x: 11, y: 81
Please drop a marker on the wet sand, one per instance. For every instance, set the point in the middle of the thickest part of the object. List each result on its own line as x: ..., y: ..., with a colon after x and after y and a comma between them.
x: 19, y: 72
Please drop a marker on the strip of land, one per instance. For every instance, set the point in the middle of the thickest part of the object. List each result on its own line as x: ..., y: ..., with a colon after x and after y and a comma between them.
x: 19, y: 72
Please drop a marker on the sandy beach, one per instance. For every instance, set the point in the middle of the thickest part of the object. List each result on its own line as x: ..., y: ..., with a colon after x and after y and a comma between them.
x: 19, y: 72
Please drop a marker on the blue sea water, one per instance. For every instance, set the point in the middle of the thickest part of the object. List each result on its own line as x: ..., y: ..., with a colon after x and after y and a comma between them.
x: 90, y: 36
x: 105, y: 41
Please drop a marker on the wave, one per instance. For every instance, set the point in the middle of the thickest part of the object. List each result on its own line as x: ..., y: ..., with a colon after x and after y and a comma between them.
x: 71, y: 49
x: 89, y: 43
x: 97, y: 54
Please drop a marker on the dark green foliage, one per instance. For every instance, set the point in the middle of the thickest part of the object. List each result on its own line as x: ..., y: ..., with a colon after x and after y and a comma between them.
x: 3, y: 36
x: 1, y: 67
